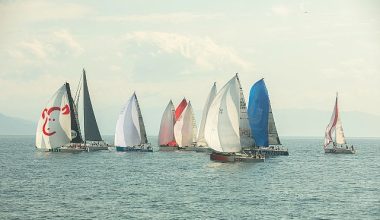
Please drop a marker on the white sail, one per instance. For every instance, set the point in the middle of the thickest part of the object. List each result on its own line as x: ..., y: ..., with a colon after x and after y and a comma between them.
x: 222, y: 123
x: 128, y: 127
x: 339, y: 135
x: 185, y: 127
x: 166, y: 134
x: 201, y: 141
x: 54, y: 125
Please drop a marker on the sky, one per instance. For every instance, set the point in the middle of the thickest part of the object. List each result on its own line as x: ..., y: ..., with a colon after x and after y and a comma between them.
x: 305, y: 50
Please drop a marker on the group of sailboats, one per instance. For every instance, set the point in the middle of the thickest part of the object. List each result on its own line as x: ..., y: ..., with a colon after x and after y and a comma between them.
x: 178, y: 127
x: 59, y: 128
x: 228, y: 130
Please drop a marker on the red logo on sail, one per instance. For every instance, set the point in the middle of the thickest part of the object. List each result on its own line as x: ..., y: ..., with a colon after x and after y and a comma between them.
x: 46, y: 115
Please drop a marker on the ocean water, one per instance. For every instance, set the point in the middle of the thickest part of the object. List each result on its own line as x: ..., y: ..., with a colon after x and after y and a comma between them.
x: 186, y: 185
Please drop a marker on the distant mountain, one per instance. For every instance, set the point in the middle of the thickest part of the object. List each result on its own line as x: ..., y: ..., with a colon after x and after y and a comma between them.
x: 307, y: 122
x: 16, y: 126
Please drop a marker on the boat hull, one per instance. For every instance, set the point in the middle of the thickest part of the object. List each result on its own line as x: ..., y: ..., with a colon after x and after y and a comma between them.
x: 228, y: 158
x: 168, y: 148
x: 339, y: 151
x: 133, y: 149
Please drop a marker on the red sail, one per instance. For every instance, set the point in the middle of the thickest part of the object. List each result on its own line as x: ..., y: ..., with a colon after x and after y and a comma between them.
x: 180, y: 108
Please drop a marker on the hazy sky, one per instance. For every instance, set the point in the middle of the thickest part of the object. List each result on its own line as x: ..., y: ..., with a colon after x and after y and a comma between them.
x: 305, y: 50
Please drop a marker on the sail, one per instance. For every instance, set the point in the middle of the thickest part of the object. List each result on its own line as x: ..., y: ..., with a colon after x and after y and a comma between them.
x: 180, y: 108
x: 201, y: 134
x: 339, y: 134
x: 261, y: 118
x: 91, y: 130
x: 273, y: 138
x: 129, y: 126
x: 331, y: 126
x: 54, y: 125
x: 166, y: 134
x: 185, y: 127
x: 223, y: 118
x: 76, y: 136
x: 245, y: 133
x: 144, y: 138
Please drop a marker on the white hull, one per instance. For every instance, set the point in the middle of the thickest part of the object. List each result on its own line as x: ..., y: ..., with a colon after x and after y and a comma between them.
x: 339, y: 151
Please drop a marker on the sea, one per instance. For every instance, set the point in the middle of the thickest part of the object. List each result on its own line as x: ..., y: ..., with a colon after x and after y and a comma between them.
x: 307, y: 184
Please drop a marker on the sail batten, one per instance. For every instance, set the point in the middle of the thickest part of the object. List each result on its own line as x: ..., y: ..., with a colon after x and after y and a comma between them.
x: 91, y: 130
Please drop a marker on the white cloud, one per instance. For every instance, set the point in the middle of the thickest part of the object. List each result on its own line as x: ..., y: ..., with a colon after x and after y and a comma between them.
x: 204, y: 52
x: 44, y: 48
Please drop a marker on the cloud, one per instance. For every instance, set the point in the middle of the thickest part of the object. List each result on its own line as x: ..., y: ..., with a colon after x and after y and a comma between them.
x: 45, y: 48
x: 203, y: 52
x: 179, y: 17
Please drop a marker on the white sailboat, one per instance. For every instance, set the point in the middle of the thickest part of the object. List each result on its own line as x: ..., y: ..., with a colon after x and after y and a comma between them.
x: 339, y: 145
x: 57, y: 128
x: 166, y: 139
x: 130, y: 134
x: 185, y: 129
x: 201, y: 140
x: 227, y: 129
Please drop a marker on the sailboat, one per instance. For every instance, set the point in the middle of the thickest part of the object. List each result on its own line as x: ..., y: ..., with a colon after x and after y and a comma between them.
x: 58, y: 127
x: 227, y: 129
x: 185, y: 129
x: 262, y: 123
x: 339, y: 145
x: 202, y: 145
x: 92, y: 139
x: 166, y: 139
x: 130, y: 134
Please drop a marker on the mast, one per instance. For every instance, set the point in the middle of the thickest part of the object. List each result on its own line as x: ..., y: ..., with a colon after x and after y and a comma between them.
x: 91, y: 130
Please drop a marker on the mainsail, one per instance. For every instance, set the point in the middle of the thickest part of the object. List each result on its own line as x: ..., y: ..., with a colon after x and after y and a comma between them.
x: 166, y: 134
x: 261, y: 118
x: 201, y: 141
x: 91, y: 130
x: 130, y: 129
x: 335, y: 125
x: 185, y: 127
x: 54, y: 125
x: 224, y: 125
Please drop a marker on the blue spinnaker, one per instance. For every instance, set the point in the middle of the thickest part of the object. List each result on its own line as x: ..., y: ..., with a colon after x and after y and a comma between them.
x: 258, y: 109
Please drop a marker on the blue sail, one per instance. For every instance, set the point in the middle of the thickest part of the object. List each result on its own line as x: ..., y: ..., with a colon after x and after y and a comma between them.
x: 258, y: 110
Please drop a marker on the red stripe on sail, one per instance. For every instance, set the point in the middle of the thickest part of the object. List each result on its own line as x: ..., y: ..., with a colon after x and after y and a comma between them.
x: 180, y: 108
